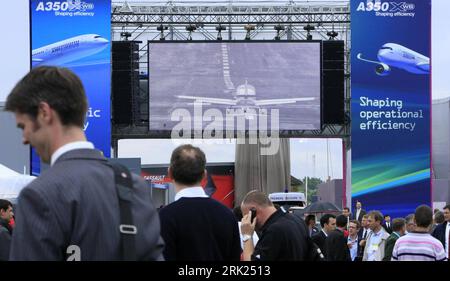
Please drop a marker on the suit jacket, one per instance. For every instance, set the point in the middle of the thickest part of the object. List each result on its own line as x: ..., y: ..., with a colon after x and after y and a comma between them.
x: 319, y: 239
x: 336, y: 245
x: 75, y: 202
x: 361, y: 214
x: 5, y: 240
x: 313, y: 231
x: 389, y: 247
x: 439, y: 232
x: 361, y: 249
x: 388, y: 229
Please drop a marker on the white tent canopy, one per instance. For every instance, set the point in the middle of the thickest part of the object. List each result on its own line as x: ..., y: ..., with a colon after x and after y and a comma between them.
x: 11, y: 183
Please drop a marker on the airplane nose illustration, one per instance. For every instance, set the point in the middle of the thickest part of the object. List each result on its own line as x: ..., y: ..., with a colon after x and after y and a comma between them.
x: 382, y: 52
x: 383, y: 55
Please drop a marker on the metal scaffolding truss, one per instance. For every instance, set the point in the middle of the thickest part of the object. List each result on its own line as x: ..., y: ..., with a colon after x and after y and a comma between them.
x: 234, y: 18
x: 171, y: 8
x: 138, y: 14
x: 207, y: 15
x: 141, y: 19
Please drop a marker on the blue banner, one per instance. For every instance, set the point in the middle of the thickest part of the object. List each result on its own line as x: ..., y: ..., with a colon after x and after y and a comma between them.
x: 391, y: 97
x: 77, y: 34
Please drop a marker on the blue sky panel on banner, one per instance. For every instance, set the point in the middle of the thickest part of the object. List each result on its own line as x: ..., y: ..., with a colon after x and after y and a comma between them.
x: 77, y: 34
x: 391, y: 94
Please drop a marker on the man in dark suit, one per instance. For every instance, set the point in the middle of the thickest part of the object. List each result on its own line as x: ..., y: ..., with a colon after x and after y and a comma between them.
x: 71, y: 211
x: 438, y: 218
x: 336, y: 243
x: 6, y: 214
x: 387, y: 224
x: 399, y: 228
x: 359, y: 212
x: 363, y: 233
x: 328, y: 224
x: 196, y: 227
x: 346, y: 212
x: 442, y: 231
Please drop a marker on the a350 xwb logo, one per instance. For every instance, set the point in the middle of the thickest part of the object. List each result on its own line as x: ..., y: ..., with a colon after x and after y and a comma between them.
x: 69, y: 5
x: 379, y: 6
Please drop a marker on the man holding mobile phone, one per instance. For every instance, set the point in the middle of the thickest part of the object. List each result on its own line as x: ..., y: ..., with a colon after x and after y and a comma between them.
x: 283, y: 235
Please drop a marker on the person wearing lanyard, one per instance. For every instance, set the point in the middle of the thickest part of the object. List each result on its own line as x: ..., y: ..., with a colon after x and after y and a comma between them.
x: 399, y: 229
x: 374, y: 249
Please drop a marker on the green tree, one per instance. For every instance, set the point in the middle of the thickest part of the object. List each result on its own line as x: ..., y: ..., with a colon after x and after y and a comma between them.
x: 312, y: 187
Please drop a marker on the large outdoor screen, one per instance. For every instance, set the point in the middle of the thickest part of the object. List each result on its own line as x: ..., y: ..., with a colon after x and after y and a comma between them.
x: 228, y: 85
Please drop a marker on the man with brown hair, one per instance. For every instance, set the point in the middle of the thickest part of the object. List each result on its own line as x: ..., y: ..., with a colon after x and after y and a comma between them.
x: 362, y: 236
x: 376, y: 241
x: 71, y: 211
x: 352, y: 239
x: 399, y: 229
x: 194, y: 226
x: 6, y: 214
x: 419, y: 245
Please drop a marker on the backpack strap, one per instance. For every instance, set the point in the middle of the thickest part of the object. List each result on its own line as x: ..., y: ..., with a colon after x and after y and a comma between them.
x: 128, y: 231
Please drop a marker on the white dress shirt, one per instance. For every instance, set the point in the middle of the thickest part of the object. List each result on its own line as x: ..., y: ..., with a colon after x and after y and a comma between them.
x: 354, y: 246
x: 68, y: 147
x: 191, y: 192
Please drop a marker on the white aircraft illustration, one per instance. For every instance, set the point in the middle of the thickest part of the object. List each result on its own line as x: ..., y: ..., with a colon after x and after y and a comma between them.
x: 245, y: 101
x: 69, y: 50
x: 391, y: 54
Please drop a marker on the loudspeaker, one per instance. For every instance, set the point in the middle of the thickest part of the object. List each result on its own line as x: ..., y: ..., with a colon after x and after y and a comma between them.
x: 125, y: 82
x: 333, y: 81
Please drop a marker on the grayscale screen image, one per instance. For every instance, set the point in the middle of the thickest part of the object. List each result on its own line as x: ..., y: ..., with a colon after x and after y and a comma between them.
x: 241, y: 80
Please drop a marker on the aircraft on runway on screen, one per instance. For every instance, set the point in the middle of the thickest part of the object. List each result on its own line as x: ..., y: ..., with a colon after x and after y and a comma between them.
x: 245, y: 101
x: 69, y: 50
x: 391, y: 54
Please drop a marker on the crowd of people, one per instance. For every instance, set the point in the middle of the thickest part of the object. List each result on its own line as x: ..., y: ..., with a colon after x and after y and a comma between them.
x: 422, y: 236
x: 84, y: 207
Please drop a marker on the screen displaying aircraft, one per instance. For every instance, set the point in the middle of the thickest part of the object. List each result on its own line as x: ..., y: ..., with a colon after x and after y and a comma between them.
x: 68, y: 50
x: 245, y: 101
x: 257, y: 80
x: 398, y: 56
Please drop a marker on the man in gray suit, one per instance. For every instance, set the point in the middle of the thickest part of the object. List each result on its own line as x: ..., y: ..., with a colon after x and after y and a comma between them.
x: 71, y: 211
